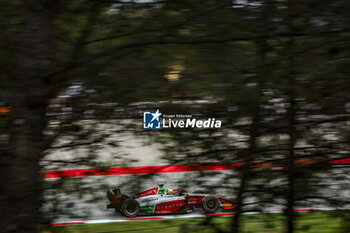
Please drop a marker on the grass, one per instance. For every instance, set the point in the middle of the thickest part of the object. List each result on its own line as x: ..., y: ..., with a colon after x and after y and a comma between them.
x: 313, y: 222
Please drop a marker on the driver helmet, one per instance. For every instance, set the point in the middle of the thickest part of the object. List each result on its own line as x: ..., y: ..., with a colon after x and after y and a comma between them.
x: 161, y: 190
x: 170, y: 191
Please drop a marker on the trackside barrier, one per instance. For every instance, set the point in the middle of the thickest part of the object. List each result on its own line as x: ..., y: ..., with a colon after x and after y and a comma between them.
x: 169, y: 169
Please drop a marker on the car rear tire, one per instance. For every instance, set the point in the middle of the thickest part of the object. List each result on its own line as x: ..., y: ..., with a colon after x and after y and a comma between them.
x: 210, y: 204
x: 130, y: 208
x: 118, y: 206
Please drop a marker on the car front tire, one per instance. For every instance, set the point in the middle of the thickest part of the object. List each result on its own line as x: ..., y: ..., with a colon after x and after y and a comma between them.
x: 210, y: 204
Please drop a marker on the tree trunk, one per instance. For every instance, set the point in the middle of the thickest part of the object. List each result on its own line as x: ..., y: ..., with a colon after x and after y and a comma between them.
x: 245, y: 173
x: 291, y: 170
x: 291, y: 119
x: 28, y: 96
x: 21, y: 182
x: 253, y: 136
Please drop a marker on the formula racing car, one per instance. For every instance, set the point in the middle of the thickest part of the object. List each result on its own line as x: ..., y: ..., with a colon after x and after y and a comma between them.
x: 159, y: 201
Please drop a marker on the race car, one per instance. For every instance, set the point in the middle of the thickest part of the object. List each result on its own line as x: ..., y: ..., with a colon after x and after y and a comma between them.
x: 159, y: 201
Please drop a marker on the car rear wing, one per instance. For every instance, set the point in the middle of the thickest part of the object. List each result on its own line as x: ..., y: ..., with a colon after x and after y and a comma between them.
x: 113, y: 195
x: 115, y: 198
